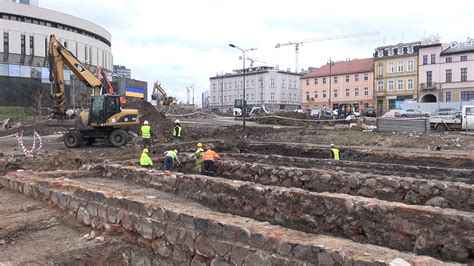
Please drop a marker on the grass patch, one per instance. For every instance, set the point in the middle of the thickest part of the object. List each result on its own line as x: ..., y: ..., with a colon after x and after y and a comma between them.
x: 12, y: 112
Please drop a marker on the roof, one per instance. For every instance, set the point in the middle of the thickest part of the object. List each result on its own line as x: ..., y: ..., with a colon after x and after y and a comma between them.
x: 343, y: 67
x: 459, y: 48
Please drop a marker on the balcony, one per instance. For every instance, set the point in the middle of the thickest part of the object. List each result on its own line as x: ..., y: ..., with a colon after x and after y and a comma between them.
x: 430, y: 86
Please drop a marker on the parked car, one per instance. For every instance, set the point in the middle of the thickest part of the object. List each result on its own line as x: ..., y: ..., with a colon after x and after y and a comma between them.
x: 445, y: 111
x: 411, y: 113
x: 370, y: 112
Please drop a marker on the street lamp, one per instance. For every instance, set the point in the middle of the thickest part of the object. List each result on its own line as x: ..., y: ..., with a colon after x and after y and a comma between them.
x: 244, y: 111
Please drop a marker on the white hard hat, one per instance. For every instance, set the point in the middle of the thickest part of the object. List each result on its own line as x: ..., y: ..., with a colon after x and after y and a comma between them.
x: 145, y: 122
x: 177, y: 121
x: 332, y: 145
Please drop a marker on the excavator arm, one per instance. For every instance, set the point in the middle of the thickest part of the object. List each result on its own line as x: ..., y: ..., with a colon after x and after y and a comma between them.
x: 58, y: 56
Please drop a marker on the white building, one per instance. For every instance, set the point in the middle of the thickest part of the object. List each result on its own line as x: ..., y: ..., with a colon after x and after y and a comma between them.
x: 446, y: 72
x: 276, y: 90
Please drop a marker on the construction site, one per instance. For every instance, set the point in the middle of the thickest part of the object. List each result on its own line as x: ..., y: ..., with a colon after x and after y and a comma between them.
x: 277, y: 197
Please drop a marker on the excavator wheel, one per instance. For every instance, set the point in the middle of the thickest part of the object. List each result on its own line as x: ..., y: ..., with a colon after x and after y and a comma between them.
x: 73, y: 139
x: 118, y: 137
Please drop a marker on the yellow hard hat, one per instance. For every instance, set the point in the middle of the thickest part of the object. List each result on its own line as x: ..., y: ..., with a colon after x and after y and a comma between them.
x: 199, y: 145
x: 176, y: 151
x: 145, y: 150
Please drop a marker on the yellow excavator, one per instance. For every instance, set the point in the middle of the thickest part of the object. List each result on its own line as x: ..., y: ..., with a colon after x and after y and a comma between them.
x: 105, y: 118
x: 160, y: 96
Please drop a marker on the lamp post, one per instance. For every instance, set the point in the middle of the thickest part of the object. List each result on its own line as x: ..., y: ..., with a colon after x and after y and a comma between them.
x: 244, y: 111
x: 330, y: 82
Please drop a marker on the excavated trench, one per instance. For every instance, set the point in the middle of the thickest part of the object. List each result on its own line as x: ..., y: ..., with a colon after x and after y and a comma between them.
x: 279, y: 205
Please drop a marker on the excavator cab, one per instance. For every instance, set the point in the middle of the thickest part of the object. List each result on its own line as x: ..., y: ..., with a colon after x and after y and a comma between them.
x: 103, y: 107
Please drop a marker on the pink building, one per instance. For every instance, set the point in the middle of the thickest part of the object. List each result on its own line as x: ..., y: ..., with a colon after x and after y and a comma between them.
x: 350, y: 81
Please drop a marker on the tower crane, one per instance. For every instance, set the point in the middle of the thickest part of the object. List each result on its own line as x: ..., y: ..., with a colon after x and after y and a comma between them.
x: 297, y: 44
x: 253, y: 60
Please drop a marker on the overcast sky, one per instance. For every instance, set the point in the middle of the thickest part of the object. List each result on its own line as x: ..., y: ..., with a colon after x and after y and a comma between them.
x: 185, y: 42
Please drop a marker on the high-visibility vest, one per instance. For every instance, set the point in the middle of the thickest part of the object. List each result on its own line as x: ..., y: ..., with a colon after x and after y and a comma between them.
x: 198, y: 153
x: 146, y: 131
x: 171, y: 154
x: 210, y: 155
x: 335, y: 151
x: 145, y: 160
x: 177, y: 131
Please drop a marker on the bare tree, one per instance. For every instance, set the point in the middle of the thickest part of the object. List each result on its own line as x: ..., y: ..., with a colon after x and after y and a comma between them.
x: 39, y: 96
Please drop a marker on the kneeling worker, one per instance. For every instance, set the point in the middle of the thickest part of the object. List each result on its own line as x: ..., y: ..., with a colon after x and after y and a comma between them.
x: 145, y: 160
x: 170, y: 157
x: 209, y: 156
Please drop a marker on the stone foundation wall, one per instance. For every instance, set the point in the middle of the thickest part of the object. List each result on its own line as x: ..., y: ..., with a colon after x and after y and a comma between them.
x: 178, y: 236
x: 424, y: 230
x: 408, y: 190
x: 422, y: 172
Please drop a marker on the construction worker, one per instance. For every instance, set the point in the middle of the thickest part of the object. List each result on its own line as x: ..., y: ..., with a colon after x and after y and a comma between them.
x: 198, y: 154
x: 335, y: 153
x: 177, y: 133
x: 146, y: 134
x: 170, y: 157
x: 209, y: 156
x: 145, y: 160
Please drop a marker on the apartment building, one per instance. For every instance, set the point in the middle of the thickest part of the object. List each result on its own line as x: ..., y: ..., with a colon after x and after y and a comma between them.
x: 396, y: 75
x: 275, y: 89
x: 349, y: 81
x: 446, y: 72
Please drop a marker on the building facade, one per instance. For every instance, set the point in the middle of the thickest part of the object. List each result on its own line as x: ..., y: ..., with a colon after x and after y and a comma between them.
x: 122, y: 71
x: 24, y: 68
x: 275, y: 89
x: 446, y: 72
x: 396, y: 75
x: 349, y: 81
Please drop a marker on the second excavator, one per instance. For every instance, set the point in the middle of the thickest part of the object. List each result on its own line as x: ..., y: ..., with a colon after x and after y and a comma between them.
x: 105, y: 118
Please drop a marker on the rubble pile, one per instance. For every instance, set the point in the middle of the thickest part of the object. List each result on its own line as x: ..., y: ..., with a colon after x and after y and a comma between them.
x: 184, y: 112
x: 161, y: 126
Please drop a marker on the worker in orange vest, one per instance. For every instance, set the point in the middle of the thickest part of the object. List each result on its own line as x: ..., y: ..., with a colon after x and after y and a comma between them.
x: 209, y: 156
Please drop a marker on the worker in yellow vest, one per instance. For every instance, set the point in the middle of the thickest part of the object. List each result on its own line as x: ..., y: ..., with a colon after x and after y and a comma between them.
x: 145, y: 160
x: 198, y: 154
x: 170, y: 157
x: 335, y: 153
x: 146, y: 134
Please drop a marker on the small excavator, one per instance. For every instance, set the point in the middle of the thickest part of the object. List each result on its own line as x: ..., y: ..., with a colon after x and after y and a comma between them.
x: 105, y: 118
x: 160, y: 97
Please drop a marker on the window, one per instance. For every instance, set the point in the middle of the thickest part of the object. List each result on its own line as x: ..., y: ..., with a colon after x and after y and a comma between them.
x: 433, y: 59
x: 335, y: 79
x: 324, y: 80
x: 410, y: 84
x: 380, y: 70
x: 425, y: 60
x: 366, y: 91
x: 307, y: 95
x: 449, y: 75
x: 307, y: 81
x: 448, y: 96
x: 390, y: 68
x: 410, y: 65
x: 390, y: 85
x: 5, y: 42
x: 464, y: 74
x: 400, y: 85
x: 356, y: 77
x: 324, y: 93
x: 335, y: 93
x: 463, y: 57
x: 23, y: 44
x: 380, y: 86
x: 356, y: 92
x: 467, y: 96
x: 272, y: 82
x: 32, y: 45
x: 316, y: 94
x: 348, y: 93
x: 366, y: 76
x: 347, y: 78
x: 429, y: 78
x: 272, y: 96
x: 449, y: 59
x: 315, y: 81
x: 400, y: 66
